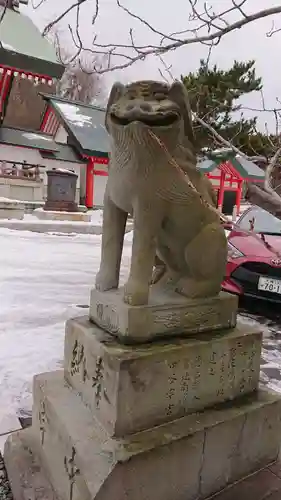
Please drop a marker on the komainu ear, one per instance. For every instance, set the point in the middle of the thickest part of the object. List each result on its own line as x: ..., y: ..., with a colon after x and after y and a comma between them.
x: 179, y: 95
x: 116, y: 92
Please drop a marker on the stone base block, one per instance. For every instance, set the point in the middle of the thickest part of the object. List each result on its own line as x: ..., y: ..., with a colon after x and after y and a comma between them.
x: 167, y: 314
x: 10, y: 209
x: 188, y: 458
x: 129, y: 389
x: 26, y: 475
x: 61, y: 206
x: 12, y: 213
x: 62, y: 216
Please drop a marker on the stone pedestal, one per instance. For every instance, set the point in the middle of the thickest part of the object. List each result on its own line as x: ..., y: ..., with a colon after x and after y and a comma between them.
x: 163, y: 421
x: 47, y: 215
x: 130, y: 389
x: 167, y: 314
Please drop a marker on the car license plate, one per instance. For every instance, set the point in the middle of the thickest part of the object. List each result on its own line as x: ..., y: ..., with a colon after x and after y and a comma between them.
x: 269, y: 285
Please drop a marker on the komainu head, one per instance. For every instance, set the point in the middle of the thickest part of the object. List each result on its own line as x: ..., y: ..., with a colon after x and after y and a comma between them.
x: 153, y: 105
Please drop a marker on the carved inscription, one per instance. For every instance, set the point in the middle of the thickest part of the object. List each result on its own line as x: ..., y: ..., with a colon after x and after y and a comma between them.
x: 213, y: 363
x: 197, y: 374
x: 169, y: 320
x: 78, y: 360
x: 214, y: 374
x: 108, y: 318
x: 232, y: 361
x: 42, y: 421
x: 97, y: 380
x: 222, y: 377
x: 185, y: 380
x: 251, y: 367
x: 171, y: 392
x: 196, y: 320
x: 205, y: 317
x: 71, y: 470
x: 78, y: 365
x: 248, y: 369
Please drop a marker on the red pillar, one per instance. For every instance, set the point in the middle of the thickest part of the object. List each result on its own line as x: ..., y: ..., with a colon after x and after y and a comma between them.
x: 5, y: 88
x: 221, y: 191
x: 45, y: 119
x: 239, y: 195
x: 89, y: 197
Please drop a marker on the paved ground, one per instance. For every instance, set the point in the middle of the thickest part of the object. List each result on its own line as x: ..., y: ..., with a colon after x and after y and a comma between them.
x: 265, y: 485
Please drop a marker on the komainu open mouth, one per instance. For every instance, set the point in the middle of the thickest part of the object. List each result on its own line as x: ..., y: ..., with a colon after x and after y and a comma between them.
x: 152, y: 121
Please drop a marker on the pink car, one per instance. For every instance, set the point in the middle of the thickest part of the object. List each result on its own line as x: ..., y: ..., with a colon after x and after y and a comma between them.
x: 254, y: 256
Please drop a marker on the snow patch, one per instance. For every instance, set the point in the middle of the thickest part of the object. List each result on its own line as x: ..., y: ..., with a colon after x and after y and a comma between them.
x: 7, y: 46
x: 129, y: 237
x: 44, y: 278
x: 64, y: 170
x: 9, y: 200
x: 96, y: 219
x: 35, y: 137
x: 73, y: 115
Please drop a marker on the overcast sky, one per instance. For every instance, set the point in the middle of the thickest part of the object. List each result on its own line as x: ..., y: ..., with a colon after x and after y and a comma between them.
x: 113, y: 25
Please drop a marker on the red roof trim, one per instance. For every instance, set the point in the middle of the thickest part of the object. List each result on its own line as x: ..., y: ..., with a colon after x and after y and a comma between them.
x: 26, y: 73
x: 50, y: 124
x: 101, y: 160
x: 229, y: 169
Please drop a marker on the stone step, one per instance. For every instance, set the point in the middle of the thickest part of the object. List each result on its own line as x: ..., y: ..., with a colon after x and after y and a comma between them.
x: 200, y: 454
x: 69, y: 442
x: 130, y: 389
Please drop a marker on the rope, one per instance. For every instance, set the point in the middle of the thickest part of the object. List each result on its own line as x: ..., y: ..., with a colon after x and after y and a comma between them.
x: 173, y: 162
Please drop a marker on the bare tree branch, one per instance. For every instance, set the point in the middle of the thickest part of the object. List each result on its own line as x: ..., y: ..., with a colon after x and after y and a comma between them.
x: 264, y: 196
x: 204, y: 26
x: 268, y: 176
x: 6, y: 5
x: 79, y: 81
x: 36, y: 6
x: 221, y: 140
x: 257, y: 196
x: 59, y: 18
x: 167, y: 69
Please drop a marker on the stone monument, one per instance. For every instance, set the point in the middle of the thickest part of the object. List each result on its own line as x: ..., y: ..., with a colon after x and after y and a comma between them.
x: 61, y: 190
x: 159, y: 398
x: 60, y: 204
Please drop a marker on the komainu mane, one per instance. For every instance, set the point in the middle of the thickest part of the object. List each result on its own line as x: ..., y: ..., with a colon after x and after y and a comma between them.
x: 153, y: 176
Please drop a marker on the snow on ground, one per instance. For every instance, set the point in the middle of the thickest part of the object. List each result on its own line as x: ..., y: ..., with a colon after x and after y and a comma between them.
x: 7, y: 200
x: 267, y: 318
x: 96, y: 219
x: 43, y: 279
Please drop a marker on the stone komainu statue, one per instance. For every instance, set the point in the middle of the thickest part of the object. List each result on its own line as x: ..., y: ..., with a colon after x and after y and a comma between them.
x: 152, y: 175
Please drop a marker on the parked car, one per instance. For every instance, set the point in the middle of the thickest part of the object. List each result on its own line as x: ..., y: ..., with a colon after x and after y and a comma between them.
x: 254, y: 256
